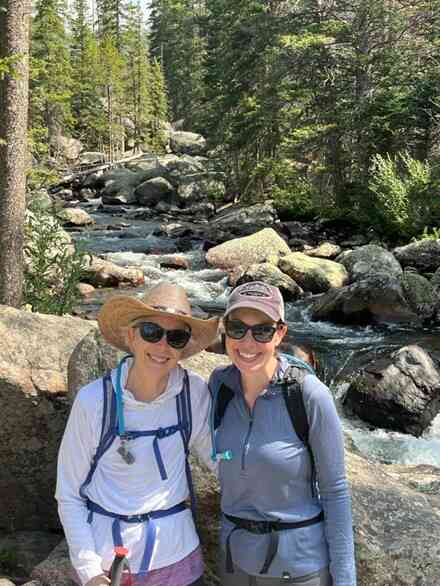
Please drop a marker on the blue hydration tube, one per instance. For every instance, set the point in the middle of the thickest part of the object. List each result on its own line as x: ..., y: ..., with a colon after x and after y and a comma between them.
x: 119, y: 400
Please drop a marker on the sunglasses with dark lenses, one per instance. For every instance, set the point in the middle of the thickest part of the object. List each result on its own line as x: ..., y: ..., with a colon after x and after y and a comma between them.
x: 153, y: 333
x: 237, y: 330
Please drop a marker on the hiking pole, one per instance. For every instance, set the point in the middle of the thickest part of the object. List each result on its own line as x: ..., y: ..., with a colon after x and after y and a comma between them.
x: 119, y: 565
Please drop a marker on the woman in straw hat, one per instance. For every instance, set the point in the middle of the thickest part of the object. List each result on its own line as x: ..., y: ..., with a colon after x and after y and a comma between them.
x: 123, y: 475
x: 285, y: 499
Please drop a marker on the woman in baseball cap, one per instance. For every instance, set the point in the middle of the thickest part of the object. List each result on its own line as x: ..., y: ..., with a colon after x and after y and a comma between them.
x: 123, y: 473
x: 276, y: 433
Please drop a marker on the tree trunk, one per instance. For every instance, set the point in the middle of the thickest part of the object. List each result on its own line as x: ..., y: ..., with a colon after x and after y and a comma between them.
x: 14, y: 42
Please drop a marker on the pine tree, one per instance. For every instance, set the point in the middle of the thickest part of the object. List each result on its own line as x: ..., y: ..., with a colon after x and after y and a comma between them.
x: 177, y: 43
x: 111, y: 74
x: 14, y: 52
x: 51, y: 74
x: 243, y: 103
x: 87, y: 108
x: 159, y: 107
x: 111, y: 15
x: 138, y: 76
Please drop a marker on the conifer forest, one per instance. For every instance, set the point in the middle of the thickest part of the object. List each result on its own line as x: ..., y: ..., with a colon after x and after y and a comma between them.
x: 331, y: 108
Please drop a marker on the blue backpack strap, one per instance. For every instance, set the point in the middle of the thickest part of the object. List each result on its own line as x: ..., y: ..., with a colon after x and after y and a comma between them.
x: 184, y: 419
x: 108, y: 428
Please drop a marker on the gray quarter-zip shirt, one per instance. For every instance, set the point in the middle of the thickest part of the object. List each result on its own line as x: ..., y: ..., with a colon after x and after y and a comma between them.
x: 269, y: 478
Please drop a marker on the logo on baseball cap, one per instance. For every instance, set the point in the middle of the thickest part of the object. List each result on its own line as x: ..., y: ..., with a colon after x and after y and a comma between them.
x: 260, y: 296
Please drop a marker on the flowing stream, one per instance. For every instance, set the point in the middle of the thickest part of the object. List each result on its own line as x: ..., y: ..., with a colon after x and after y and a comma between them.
x: 341, y: 350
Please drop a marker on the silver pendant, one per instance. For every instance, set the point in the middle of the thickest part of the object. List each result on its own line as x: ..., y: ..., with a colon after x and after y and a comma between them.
x: 125, y: 453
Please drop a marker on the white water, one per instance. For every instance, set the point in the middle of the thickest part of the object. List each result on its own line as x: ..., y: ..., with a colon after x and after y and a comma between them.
x: 202, y: 286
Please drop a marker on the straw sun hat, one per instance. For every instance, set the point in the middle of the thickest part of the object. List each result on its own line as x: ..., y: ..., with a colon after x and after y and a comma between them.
x: 122, y: 311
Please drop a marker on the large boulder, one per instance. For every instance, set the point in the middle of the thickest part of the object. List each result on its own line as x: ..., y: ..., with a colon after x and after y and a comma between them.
x: 34, y: 352
x: 396, y: 527
x: 29, y: 548
x: 401, y: 392
x: 369, y: 260
x: 104, y: 273
x: 313, y: 274
x: 200, y: 187
x: 151, y: 192
x: 147, y: 167
x: 177, y: 166
x: 187, y: 143
x: 270, y: 274
x: 327, y: 250
x: 56, y: 569
x: 245, y: 219
x: 119, y: 186
x: 420, y: 293
x: 90, y: 158
x: 247, y: 250
x: 423, y: 255
x: 66, y: 147
x: 378, y: 298
x: 75, y: 217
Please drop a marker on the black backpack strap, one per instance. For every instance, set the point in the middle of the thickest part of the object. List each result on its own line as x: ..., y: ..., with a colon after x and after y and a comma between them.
x: 293, y: 396
x: 221, y: 401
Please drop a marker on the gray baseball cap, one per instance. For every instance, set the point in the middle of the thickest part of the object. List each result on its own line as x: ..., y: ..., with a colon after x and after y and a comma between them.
x: 257, y: 295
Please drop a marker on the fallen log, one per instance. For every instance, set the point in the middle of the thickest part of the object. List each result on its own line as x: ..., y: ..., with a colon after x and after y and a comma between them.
x: 67, y: 180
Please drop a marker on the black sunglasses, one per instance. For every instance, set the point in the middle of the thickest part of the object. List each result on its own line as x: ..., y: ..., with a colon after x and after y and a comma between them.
x: 153, y: 333
x: 237, y: 330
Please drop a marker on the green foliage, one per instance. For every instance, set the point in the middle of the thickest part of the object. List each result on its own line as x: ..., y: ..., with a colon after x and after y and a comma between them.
x: 159, y: 107
x: 326, y: 89
x: 178, y: 45
x: 400, y: 186
x: 292, y: 193
x: 40, y: 177
x: 90, y: 120
x: 7, y: 65
x: 428, y: 234
x: 53, y: 268
x: 50, y: 72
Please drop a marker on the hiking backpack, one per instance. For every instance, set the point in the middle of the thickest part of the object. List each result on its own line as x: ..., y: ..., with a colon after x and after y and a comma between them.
x: 111, y: 418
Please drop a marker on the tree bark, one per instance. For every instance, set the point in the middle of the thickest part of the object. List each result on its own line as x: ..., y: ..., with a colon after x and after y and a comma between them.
x: 14, y: 43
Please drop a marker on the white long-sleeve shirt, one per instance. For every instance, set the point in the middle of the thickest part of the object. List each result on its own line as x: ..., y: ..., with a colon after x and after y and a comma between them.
x: 129, y: 489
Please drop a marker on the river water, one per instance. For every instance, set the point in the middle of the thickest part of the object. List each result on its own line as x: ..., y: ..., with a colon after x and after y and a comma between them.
x: 341, y: 350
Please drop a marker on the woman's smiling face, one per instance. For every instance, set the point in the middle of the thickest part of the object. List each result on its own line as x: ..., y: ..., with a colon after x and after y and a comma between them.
x: 159, y: 356
x: 249, y: 355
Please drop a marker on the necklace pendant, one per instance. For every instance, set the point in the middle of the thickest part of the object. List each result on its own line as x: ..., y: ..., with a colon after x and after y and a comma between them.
x: 125, y: 453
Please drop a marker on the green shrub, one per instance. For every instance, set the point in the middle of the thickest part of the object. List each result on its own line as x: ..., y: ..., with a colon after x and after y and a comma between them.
x: 40, y: 177
x: 53, y: 267
x: 400, y: 187
x: 428, y: 235
x: 292, y: 193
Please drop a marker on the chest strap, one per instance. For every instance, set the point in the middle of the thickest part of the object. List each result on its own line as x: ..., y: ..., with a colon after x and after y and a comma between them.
x: 261, y: 528
x: 148, y: 518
